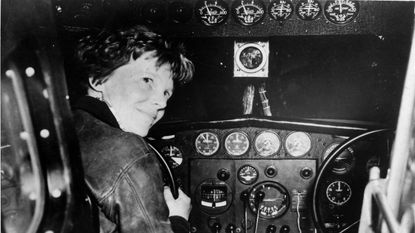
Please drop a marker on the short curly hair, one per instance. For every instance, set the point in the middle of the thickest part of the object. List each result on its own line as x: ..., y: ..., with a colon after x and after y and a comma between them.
x: 102, y: 53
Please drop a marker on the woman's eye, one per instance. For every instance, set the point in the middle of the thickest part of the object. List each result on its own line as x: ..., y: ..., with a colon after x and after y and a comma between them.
x: 147, y: 80
x: 167, y: 94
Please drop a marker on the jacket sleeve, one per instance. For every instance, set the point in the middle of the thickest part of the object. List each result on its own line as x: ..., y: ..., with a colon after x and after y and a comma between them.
x: 136, y: 203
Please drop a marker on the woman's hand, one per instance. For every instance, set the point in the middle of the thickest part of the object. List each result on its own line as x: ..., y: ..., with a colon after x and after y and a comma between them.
x: 177, y: 207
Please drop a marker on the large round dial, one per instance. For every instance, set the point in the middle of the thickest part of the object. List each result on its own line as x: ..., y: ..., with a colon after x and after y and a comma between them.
x: 248, y: 12
x: 281, y: 10
x: 308, y: 9
x: 207, y: 143
x: 275, y: 203
x: 338, y: 192
x: 247, y: 174
x: 267, y: 143
x: 211, y: 12
x: 298, y: 144
x: 237, y: 143
x: 341, y: 11
x: 175, y: 155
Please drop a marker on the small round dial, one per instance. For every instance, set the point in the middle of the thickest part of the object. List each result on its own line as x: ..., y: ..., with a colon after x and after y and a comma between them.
x: 281, y: 10
x: 248, y: 12
x: 275, y: 203
x: 267, y: 143
x: 174, y: 153
x: 207, y: 143
x: 341, y: 11
x: 247, y: 174
x: 308, y: 9
x: 180, y: 12
x: 237, y: 143
x: 211, y: 12
x: 298, y: 144
x: 338, y: 192
x: 344, y: 162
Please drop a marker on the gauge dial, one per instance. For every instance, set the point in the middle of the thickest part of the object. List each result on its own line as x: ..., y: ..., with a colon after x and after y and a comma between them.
x: 247, y: 174
x: 281, y: 10
x: 267, y: 143
x: 338, y: 192
x: 174, y: 153
x: 180, y: 12
x: 275, y: 203
x: 341, y: 11
x: 212, y: 12
x: 298, y: 144
x: 207, y: 143
x: 248, y: 12
x: 344, y: 162
x: 308, y: 9
x: 237, y: 143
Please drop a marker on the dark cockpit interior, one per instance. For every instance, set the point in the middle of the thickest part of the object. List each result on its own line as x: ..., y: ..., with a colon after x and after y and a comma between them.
x: 292, y: 104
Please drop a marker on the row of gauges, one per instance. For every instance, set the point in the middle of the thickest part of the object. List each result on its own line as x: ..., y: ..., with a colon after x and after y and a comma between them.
x: 266, y: 143
x: 250, y: 12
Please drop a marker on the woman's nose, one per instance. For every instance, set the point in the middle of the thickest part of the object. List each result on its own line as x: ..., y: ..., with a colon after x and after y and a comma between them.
x: 160, y: 100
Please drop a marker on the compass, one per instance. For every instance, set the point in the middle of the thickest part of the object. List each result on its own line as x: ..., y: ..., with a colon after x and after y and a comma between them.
x: 248, y: 12
x: 211, y: 12
x: 341, y: 11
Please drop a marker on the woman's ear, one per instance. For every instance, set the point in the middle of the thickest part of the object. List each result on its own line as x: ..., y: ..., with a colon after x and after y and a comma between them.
x: 95, y: 85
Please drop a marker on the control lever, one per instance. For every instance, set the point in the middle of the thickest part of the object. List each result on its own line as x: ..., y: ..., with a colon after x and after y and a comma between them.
x: 216, y: 227
x: 259, y: 196
x: 271, y: 229
x: 245, y: 200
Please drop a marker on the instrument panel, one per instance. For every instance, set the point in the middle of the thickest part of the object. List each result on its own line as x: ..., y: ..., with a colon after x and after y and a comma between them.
x: 264, y: 173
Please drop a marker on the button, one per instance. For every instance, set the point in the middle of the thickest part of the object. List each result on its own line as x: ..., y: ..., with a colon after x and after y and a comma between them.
x: 285, y: 229
x: 271, y: 171
x: 306, y: 172
x: 223, y: 174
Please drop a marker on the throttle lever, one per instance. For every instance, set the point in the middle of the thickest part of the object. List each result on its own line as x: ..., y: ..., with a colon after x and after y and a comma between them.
x: 245, y: 199
x: 259, y: 196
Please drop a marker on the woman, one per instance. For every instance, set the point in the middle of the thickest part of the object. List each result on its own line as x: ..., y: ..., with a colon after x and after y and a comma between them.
x: 130, y: 75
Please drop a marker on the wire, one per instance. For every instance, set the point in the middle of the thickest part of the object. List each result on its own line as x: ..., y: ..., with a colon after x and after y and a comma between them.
x: 298, y: 212
x: 350, y: 226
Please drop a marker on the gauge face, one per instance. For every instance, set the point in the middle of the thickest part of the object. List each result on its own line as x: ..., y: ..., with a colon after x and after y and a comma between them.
x: 207, y: 143
x: 275, y: 203
x: 180, y: 12
x: 247, y: 174
x: 308, y: 9
x: 237, y: 143
x: 212, y: 12
x: 298, y: 144
x: 281, y: 10
x: 343, y: 162
x: 174, y: 153
x: 338, y: 192
x: 267, y: 143
x: 248, y: 12
x: 341, y: 11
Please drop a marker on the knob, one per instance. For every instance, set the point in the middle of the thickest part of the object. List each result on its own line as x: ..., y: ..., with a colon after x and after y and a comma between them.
x: 270, y: 171
x: 223, y: 174
x: 285, y: 229
x: 271, y: 229
x: 230, y: 228
x: 259, y: 196
x: 306, y: 172
x: 216, y: 227
x: 245, y: 196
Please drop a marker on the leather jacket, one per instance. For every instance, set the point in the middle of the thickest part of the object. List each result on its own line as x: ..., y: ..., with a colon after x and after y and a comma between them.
x: 122, y: 173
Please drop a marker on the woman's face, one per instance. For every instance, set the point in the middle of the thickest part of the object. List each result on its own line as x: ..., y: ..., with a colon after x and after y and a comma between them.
x: 138, y: 92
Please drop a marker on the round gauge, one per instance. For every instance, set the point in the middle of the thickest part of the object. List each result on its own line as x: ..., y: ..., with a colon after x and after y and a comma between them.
x: 180, y: 12
x: 280, y: 10
x: 207, y: 143
x: 343, y: 162
x: 338, y: 192
x: 251, y: 57
x: 308, y: 9
x: 298, y: 144
x: 248, y: 12
x: 247, y: 174
x: 237, y: 143
x: 275, y: 203
x: 267, y: 143
x: 174, y: 153
x: 211, y: 12
x: 341, y: 11
x: 153, y: 12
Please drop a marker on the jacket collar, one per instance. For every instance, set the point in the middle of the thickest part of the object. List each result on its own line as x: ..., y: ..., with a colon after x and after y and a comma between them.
x: 98, y: 109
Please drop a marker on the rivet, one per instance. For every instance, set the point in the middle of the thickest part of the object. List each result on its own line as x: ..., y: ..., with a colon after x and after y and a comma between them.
x: 29, y: 71
x: 24, y: 135
x: 9, y: 73
x: 44, y: 133
x: 45, y: 93
x: 67, y: 97
x: 56, y: 193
